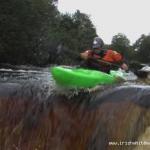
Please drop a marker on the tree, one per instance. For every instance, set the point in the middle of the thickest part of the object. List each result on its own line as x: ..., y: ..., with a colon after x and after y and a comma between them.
x: 86, y: 30
x: 24, y: 26
x: 34, y: 30
x: 74, y: 33
x: 142, y: 47
x: 121, y: 44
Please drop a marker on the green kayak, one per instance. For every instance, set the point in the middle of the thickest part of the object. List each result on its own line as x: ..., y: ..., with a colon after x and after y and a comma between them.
x: 83, y: 78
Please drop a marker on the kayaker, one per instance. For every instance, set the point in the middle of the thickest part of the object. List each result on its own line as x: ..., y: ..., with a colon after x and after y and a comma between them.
x: 102, y: 59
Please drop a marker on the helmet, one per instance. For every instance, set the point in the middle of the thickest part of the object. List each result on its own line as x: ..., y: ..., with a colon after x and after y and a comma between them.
x: 97, y: 43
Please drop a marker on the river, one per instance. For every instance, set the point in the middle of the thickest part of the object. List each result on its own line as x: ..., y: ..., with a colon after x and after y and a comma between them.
x: 36, y: 114
x: 18, y: 76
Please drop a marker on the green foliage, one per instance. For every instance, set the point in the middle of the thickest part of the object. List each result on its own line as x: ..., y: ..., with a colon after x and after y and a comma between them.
x: 142, y: 47
x: 121, y: 44
x: 73, y: 33
x: 35, y: 32
x: 24, y: 26
x: 85, y: 30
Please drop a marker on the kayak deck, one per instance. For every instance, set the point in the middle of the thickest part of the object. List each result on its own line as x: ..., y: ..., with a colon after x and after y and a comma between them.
x: 81, y: 78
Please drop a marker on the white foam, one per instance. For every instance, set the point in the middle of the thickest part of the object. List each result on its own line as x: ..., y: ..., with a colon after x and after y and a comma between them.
x: 10, y: 70
x: 146, y: 69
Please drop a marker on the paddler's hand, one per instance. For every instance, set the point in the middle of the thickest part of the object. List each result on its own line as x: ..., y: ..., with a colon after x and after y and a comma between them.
x: 124, y: 67
x: 86, y: 55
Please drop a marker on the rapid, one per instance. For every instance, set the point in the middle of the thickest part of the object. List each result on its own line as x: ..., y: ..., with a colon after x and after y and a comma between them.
x: 36, y: 114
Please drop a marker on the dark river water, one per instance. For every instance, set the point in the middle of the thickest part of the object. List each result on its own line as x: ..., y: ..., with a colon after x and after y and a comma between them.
x: 36, y: 114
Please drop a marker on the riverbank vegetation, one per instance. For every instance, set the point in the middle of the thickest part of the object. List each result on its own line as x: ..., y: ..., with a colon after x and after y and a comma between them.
x: 34, y: 32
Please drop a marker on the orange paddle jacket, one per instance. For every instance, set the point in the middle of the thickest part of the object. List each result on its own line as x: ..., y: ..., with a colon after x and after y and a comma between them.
x: 106, y: 55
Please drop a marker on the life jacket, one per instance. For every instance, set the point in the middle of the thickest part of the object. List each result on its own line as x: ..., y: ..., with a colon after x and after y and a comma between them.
x: 108, y: 55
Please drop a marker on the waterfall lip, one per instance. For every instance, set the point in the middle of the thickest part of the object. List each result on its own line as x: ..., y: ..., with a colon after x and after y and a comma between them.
x: 134, y: 86
x: 137, y: 94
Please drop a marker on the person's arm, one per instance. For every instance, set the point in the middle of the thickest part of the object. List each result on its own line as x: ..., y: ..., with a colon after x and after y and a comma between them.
x: 120, y: 60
